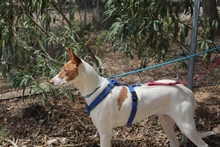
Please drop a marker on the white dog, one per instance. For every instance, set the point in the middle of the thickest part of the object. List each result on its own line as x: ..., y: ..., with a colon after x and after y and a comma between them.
x: 173, y: 104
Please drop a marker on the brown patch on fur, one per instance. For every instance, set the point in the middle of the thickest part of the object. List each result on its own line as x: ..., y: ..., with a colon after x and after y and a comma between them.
x: 69, y: 71
x: 122, y: 96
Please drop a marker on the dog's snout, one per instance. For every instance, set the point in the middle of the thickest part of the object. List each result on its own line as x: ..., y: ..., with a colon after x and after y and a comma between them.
x: 52, y: 81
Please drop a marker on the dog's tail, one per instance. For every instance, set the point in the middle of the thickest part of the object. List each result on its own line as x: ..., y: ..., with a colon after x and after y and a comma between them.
x: 205, y: 134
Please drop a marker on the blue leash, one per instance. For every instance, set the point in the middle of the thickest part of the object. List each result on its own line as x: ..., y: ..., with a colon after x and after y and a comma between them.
x: 165, y: 63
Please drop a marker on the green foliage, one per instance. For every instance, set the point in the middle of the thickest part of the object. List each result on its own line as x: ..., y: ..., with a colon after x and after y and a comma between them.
x: 207, y: 36
x: 34, y: 37
x: 3, y: 133
x: 147, y: 27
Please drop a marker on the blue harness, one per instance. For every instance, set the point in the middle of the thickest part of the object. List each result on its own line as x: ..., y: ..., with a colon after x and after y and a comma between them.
x: 102, y: 95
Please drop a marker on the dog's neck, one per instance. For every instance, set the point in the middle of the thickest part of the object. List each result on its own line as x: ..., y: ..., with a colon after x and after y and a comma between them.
x: 88, y: 80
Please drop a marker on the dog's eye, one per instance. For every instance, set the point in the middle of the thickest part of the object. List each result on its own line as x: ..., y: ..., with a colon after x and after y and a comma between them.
x: 64, y: 70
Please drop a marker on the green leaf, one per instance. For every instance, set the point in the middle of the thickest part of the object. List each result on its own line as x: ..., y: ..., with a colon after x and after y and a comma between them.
x: 203, y: 45
x: 182, y: 36
x: 26, y: 24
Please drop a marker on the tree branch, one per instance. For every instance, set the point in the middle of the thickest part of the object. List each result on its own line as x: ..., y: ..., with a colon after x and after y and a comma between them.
x: 9, y: 63
x: 60, y: 11
x: 32, y: 19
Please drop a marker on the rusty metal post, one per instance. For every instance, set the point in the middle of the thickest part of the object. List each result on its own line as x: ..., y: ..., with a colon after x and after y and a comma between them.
x: 193, y: 43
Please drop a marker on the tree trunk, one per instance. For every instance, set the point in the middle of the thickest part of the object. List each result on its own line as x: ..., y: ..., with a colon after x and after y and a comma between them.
x: 210, y: 10
x: 218, y: 2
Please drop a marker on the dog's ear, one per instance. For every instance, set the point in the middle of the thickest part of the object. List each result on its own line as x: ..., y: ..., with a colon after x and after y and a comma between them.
x: 73, y: 58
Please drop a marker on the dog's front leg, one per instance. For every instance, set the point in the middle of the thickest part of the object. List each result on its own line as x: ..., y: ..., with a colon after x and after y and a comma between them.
x: 105, y: 138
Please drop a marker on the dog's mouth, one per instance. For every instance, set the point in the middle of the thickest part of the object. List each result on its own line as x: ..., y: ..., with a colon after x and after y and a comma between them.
x: 61, y: 84
x: 57, y: 81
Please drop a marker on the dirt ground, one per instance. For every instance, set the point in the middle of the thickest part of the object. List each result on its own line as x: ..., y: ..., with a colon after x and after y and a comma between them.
x: 55, y: 122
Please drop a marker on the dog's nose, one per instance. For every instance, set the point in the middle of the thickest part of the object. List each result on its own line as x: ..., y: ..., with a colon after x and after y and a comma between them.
x: 52, y: 81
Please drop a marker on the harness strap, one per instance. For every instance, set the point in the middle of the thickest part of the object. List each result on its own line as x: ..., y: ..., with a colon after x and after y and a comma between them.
x: 102, y: 95
x: 134, y: 104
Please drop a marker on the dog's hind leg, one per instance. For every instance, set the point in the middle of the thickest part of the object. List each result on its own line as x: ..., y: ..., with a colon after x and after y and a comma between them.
x: 187, y: 126
x: 168, y: 125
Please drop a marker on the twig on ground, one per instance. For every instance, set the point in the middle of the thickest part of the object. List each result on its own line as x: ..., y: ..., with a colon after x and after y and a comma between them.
x: 215, y: 122
x: 81, y: 122
x: 14, y: 142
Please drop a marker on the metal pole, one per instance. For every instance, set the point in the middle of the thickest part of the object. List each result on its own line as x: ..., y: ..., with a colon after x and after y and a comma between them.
x: 193, y: 43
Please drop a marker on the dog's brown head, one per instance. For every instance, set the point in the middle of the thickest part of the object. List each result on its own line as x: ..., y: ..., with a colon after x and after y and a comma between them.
x: 69, y: 70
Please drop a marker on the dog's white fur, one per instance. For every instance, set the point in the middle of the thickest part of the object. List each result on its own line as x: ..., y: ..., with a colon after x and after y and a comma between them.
x: 173, y: 104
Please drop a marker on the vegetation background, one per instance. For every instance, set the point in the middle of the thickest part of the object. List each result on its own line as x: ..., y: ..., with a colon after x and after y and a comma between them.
x: 35, y: 36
